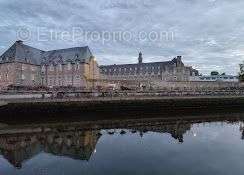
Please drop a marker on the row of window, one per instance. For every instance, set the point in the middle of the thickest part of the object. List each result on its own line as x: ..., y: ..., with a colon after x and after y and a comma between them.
x: 53, y: 81
x: 216, y: 78
x: 135, y: 73
x: 65, y: 77
x: 4, y: 76
x: 130, y: 69
x: 140, y: 76
x: 23, y: 77
x: 60, y: 83
x: 60, y: 67
x: 32, y: 77
x: 25, y: 67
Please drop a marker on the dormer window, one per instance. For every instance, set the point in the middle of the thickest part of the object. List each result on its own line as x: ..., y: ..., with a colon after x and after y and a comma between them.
x: 43, y: 68
x: 23, y: 67
x: 69, y: 66
x: 77, y: 66
x: 3, y: 58
x: 51, y: 68
x: 60, y: 67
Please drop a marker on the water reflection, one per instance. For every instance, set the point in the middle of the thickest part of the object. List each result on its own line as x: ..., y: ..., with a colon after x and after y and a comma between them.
x: 18, y: 147
x: 78, y: 140
x: 242, y: 130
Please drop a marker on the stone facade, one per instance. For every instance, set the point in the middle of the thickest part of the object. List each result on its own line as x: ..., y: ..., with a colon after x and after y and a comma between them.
x: 19, y: 74
x: 197, y: 85
x: 75, y: 74
x: 22, y: 65
x: 173, y: 70
x: 216, y: 78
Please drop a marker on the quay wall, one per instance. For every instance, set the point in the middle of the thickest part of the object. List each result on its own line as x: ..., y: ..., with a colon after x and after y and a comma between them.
x: 93, y: 95
x: 117, y: 108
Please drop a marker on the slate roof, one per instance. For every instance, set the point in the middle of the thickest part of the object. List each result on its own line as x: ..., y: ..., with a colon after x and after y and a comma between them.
x: 161, y: 65
x: 166, y: 63
x: 23, y: 53
x: 150, y: 67
x: 63, y: 56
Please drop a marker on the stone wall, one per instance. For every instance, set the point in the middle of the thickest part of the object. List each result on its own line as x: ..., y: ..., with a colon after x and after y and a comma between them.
x: 188, y: 85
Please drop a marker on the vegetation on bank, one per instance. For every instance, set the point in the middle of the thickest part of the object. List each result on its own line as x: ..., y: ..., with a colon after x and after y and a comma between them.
x: 241, y: 74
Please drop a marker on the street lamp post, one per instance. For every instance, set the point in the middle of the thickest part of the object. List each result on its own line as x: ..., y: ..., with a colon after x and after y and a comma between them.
x: 93, y: 78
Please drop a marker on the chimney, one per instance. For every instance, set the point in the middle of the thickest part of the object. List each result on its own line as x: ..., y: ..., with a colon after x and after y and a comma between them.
x: 179, y: 58
x: 19, y: 42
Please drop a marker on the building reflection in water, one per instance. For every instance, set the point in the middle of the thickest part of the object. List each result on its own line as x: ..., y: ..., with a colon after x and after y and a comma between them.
x: 17, y: 148
x: 175, y: 129
x: 78, y: 140
x: 242, y: 130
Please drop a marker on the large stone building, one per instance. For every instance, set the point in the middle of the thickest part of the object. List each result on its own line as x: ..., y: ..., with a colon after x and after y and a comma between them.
x: 25, y: 66
x: 173, y: 70
x: 22, y: 65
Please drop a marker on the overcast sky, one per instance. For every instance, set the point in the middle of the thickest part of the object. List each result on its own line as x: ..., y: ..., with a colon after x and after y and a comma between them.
x: 209, y: 34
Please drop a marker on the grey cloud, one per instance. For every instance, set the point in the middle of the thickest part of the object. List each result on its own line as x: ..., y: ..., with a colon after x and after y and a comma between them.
x: 209, y: 34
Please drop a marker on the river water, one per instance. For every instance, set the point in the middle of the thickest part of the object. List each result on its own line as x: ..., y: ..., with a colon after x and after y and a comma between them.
x: 212, y: 145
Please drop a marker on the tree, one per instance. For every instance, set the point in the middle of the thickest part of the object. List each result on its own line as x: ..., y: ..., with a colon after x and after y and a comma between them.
x: 241, y: 74
x: 214, y: 73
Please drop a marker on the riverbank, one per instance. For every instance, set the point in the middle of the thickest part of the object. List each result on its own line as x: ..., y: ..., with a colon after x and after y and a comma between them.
x: 142, y: 123
x: 40, y: 110
x: 112, y: 98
